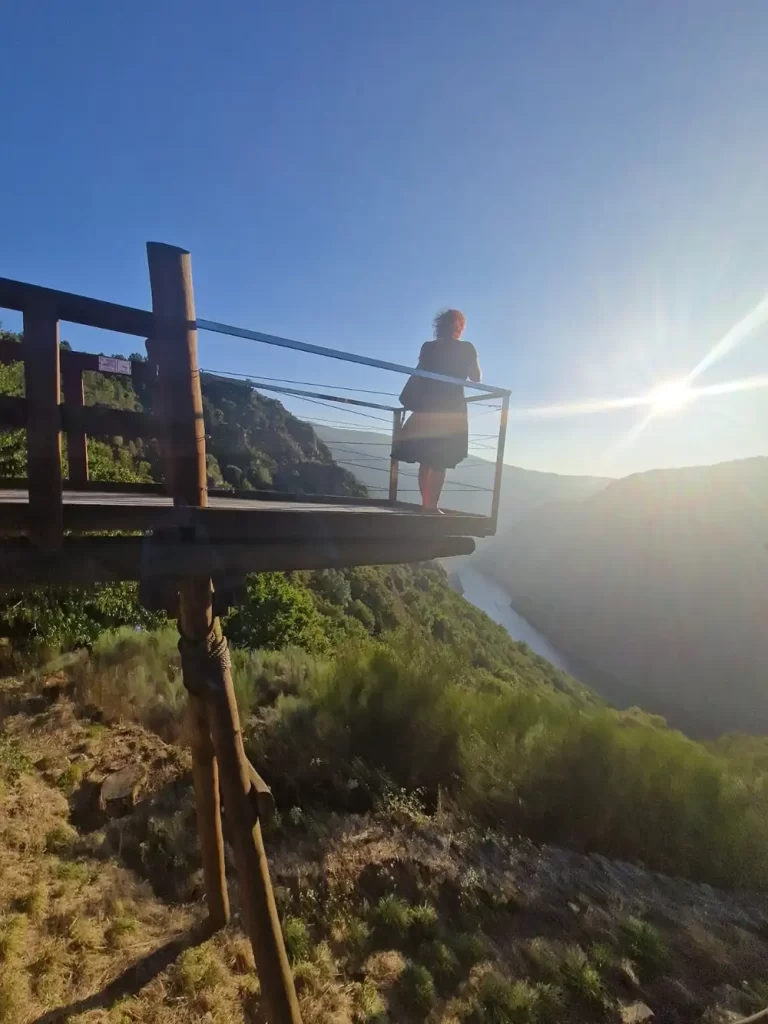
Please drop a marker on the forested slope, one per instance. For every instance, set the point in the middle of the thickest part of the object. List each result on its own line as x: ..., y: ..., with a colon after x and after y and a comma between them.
x: 658, y: 588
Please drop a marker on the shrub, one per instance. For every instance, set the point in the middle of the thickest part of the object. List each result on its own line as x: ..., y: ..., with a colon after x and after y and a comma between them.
x: 582, y: 978
x: 297, y: 939
x: 440, y: 959
x: 416, y: 713
x: 393, y: 917
x: 199, y: 970
x: 363, y: 614
x: 67, y: 618
x: 60, y: 838
x: 470, y: 947
x: 13, y: 763
x: 135, y: 675
x: 423, y: 920
x: 70, y: 778
x: 416, y: 987
x: 644, y: 944
x: 120, y: 929
x: 261, y: 677
x: 501, y: 1001
x: 276, y: 613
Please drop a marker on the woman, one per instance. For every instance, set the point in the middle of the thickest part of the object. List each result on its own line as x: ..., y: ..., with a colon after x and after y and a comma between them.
x: 436, y: 434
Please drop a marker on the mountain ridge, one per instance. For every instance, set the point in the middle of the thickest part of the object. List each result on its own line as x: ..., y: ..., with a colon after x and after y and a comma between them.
x: 522, y: 489
x: 658, y: 581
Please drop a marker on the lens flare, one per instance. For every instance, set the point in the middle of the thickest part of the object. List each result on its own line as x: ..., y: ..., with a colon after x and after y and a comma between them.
x: 670, y: 397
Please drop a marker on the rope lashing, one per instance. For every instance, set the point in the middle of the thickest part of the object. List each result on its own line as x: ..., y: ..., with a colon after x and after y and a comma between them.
x: 203, y: 663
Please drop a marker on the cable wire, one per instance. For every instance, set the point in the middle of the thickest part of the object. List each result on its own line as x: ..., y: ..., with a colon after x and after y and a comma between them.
x: 254, y: 378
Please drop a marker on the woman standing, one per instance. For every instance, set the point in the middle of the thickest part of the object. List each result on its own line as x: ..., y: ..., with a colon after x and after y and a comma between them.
x: 436, y: 435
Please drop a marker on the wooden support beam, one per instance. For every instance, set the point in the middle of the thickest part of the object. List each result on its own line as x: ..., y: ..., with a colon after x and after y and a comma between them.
x: 172, y: 346
x: 43, y: 391
x: 260, y: 910
x: 77, y: 440
x: 84, y: 560
x: 173, y: 349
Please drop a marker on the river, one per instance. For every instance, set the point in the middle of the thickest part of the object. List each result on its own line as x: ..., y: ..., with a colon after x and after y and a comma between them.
x: 490, y: 598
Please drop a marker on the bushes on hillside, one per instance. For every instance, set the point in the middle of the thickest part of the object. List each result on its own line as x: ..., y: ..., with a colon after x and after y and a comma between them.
x: 277, y: 613
x: 411, y: 714
x: 415, y: 715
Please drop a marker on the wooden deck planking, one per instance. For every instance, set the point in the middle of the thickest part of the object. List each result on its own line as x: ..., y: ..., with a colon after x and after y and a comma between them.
x: 245, y: 519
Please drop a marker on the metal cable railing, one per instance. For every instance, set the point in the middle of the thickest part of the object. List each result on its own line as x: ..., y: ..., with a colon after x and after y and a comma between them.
x: 351, y: 453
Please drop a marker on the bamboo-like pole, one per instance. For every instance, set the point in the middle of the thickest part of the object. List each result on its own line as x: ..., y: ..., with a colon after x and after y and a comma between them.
x: 174, y: 350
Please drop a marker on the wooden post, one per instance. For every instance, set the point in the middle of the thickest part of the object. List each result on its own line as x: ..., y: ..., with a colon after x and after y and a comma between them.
x: 43, y: 390
x: 394, y: 465
x: 173, y: 349
x: 77, y: 441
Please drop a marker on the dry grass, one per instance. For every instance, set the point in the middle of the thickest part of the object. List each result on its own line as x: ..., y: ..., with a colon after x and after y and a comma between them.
x: 67, y: 927
x: 378, y: 920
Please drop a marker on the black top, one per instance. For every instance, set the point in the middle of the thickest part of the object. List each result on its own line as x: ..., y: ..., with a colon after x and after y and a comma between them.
x: 454, y: 359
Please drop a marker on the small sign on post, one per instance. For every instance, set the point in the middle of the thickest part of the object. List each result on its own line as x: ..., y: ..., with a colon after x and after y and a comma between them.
x: 107, y: 364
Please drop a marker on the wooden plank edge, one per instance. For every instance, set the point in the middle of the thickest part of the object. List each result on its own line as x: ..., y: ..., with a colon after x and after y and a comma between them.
x: 82, y: 561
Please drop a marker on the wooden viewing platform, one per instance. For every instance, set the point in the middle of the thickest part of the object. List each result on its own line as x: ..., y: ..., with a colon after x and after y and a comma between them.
x: 189, y: 548
x: 230, y: 535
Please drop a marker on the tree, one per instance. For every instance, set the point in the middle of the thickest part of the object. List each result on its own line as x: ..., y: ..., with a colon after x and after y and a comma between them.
x: 276, y: 613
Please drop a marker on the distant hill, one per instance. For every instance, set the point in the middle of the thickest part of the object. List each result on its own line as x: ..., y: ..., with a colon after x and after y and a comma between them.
x: 468, y: 487
x: 656, y: 590
x: 252, y: 443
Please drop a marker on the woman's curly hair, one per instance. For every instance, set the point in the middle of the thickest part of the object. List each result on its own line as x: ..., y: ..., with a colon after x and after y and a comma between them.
x: 449, y: 324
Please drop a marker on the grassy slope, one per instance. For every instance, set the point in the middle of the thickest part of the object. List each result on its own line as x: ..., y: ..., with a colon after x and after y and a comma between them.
x: 394, y: 916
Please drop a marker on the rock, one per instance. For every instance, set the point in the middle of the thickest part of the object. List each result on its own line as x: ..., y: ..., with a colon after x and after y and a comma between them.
x: 120, y: 789
x: 627, y: 973
x: 635, y: 1013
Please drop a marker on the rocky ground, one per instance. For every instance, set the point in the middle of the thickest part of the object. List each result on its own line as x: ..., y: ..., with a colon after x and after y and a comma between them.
x: 391, y: 917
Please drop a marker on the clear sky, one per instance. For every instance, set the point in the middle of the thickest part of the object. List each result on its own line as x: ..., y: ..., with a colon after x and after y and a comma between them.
x: 584, y: 178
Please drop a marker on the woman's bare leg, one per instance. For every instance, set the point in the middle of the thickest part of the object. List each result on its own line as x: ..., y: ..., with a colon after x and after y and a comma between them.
x: 424, y: 481
x: 436, y: 486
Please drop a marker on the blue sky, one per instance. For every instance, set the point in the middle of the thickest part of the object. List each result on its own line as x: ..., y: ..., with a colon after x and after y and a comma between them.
x: 584, y: 179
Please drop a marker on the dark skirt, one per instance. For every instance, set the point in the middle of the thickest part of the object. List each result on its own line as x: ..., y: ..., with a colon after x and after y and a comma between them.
x: 439, y: 440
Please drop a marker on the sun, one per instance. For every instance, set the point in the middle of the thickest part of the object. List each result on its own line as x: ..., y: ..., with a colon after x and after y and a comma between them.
x: 670, y: 397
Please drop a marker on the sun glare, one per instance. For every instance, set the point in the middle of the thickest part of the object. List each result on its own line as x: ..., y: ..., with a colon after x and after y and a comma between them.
x: 670, y: 397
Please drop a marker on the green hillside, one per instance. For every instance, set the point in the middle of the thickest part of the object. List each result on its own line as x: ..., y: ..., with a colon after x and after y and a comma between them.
x: 396, y: 680
x: 421, y: 761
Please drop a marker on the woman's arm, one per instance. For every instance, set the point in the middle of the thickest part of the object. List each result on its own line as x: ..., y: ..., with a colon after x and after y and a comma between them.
x: 474, y: 373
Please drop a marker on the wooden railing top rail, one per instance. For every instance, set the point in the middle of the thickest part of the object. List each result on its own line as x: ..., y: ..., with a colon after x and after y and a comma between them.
x: 75, y: 309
